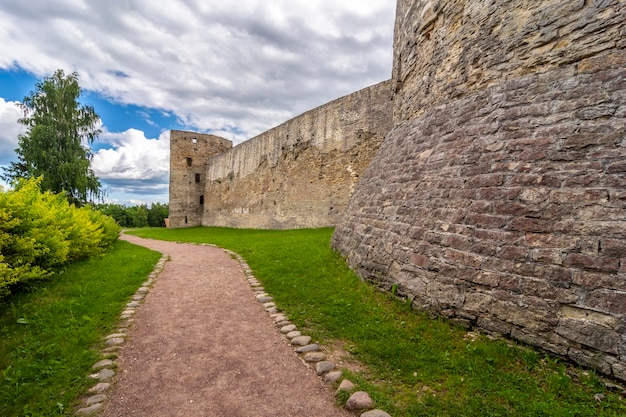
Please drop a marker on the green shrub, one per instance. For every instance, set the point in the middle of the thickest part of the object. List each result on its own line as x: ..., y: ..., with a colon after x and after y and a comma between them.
x: 42, y: 231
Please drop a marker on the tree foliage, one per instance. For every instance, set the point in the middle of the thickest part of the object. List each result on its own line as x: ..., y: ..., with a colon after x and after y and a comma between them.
x: 56, y: 143
x: 157, y: 213
x: 40, y: 232
x: 137, y: 216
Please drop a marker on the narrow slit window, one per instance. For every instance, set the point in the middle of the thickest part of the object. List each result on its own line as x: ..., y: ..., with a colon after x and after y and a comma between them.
x: 189, y: 161
x: 197, y: 177
x: 201, y: 199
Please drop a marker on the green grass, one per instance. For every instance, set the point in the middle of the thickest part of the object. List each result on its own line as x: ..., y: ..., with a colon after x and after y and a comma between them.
x: 50, y: 335
x: 411, y: 365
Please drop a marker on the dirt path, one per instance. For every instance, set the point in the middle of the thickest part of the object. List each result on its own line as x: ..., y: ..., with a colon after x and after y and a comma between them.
x: 201, y: 345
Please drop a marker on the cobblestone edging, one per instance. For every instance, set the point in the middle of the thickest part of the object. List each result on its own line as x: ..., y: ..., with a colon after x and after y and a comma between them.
x: 310, y: 353
x: 104, y: 370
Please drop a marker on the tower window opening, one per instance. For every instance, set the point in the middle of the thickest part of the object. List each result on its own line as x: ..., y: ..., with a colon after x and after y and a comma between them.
x: 189, y: 161
x: 197, y: 178
x: 201, y: 199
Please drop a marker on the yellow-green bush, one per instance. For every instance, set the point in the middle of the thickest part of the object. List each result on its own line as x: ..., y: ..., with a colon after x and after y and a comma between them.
x: 42, y: 231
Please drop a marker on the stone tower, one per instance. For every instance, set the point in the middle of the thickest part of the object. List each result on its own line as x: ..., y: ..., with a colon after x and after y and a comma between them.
x: 498, y: 197
x: 189, y: 153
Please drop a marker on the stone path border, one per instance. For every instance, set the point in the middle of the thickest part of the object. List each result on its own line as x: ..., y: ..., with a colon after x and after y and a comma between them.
x: 104, y: 370
x: 310, y: 353
x: 359, y: 401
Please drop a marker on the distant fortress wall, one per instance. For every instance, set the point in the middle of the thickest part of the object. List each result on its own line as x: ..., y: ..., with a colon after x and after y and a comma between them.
x: 301, y: 173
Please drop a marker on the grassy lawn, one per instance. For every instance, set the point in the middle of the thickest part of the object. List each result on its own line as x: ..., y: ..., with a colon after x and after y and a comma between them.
x: 50, y: 335
x: 410, y: 364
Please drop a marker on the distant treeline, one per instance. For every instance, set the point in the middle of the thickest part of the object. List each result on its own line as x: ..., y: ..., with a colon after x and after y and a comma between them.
x: 137, y: 216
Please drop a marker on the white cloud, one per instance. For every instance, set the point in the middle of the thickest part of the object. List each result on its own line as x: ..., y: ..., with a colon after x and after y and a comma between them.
x: 250, y: 64
x: 134, y: 163
x: 232, y: 68
x: 9, y: 130
x: 131, y: 164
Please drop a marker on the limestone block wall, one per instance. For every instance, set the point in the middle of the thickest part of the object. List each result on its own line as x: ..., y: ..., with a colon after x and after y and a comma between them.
x: 189, y: 152
x: 301, y: 173
x: 499, y: 197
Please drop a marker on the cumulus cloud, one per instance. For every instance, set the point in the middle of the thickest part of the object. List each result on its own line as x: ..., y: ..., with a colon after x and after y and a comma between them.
x: 133, y: 164
x: 250, y: 64
x: 128, y: 163
x: 233, y: 69
x: 9, y: 130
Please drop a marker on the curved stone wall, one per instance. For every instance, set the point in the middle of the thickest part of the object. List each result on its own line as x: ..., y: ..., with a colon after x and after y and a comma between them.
x: 499, y: 197
x: 301, y: 173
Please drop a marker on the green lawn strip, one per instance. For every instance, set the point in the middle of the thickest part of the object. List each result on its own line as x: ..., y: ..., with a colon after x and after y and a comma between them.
x: 414, y: 365
x: 50, y: 335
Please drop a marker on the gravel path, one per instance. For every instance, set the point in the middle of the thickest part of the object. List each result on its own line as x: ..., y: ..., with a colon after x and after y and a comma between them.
x: 201, y: 344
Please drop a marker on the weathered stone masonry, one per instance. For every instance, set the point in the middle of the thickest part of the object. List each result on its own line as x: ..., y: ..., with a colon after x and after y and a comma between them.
x: 499, y: 197
x: 189, y: 153
x: 301, y: 173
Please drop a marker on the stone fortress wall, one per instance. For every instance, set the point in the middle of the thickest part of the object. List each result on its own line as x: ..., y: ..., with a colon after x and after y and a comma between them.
x: 498, y: 195
x: 498, y: 199
x: 301, y: 173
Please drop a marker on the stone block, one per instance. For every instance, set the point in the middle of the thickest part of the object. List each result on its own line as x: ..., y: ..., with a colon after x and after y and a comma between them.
x: 494, y: 325
x: 547, y: 290
x: 527, y: 224
x: 590, y: 359
x: 375, y: 413
x: 612, y: 302
x: 603, y: 62
x: 589, y: 334
x: 324, y: 367
x: 599, y: 263
x: 445, y: 295
x: 477, y: 302
x: 346, y: 386
x: 533, y: 319
x: 613, y: 248
x: 619, y: 370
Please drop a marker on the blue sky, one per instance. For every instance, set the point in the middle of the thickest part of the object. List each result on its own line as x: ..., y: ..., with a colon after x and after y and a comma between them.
x: 231, y: 69
x: 119, y: 117
x: 16, y: 83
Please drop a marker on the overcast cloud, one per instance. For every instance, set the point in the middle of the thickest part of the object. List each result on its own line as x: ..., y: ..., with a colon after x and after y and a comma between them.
x: 232, y: 68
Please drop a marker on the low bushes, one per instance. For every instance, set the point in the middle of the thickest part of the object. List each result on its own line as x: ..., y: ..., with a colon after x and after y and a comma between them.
x: 42, y: 231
